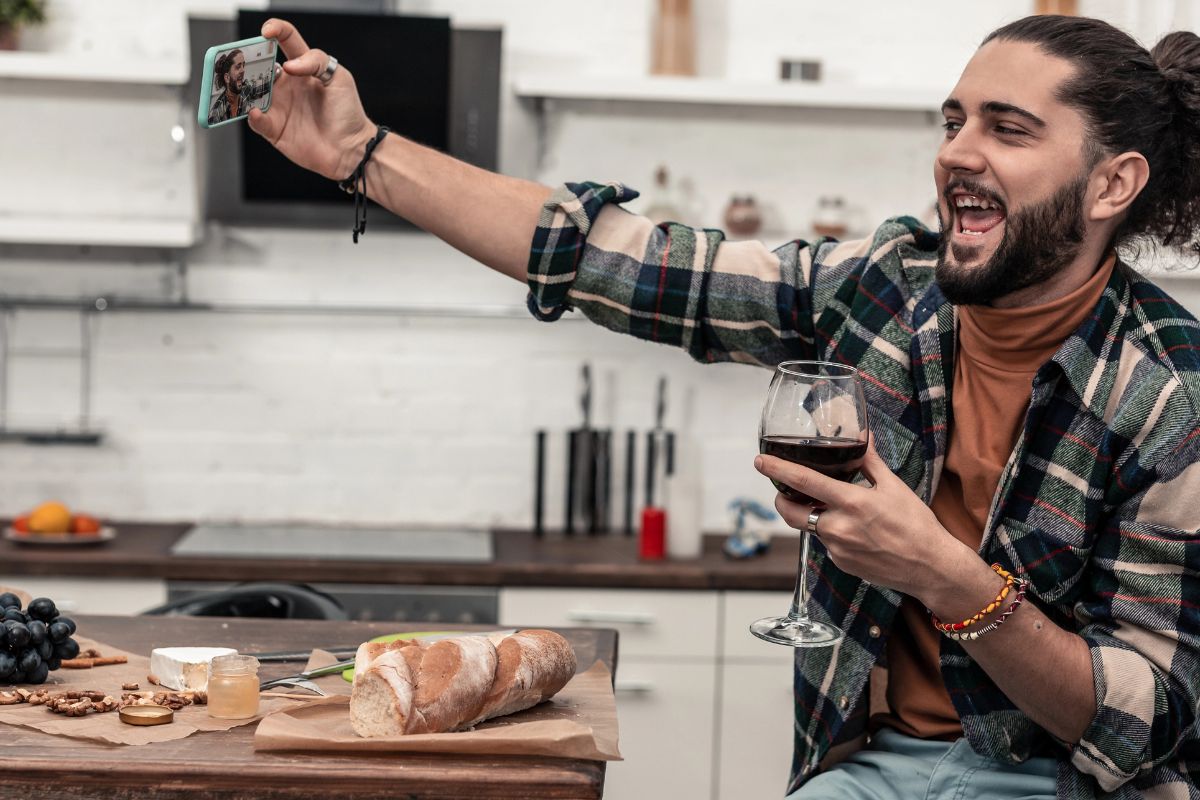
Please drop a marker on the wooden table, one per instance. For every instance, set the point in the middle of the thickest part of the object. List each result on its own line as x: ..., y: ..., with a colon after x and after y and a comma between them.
x: 35, y: 765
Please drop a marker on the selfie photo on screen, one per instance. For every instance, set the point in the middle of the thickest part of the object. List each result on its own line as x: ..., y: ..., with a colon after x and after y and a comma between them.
x: 241, y: 78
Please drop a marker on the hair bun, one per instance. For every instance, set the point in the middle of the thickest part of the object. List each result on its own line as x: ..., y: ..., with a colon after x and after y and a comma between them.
x: 1178, y: 58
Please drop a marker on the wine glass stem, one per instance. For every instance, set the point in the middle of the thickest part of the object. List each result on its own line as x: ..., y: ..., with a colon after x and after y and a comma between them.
x: 799, y: 612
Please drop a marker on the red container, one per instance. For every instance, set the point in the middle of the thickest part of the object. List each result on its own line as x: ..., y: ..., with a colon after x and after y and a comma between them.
x: 652, y: 542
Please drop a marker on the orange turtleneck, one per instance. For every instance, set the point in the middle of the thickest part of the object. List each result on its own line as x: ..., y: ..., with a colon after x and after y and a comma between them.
x: 999, y: 352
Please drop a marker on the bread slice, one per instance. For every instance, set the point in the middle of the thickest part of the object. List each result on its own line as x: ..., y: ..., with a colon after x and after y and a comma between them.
x: 381, y: 703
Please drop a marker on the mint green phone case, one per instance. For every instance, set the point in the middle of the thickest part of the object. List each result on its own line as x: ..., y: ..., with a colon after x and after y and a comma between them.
x: 203, y: 113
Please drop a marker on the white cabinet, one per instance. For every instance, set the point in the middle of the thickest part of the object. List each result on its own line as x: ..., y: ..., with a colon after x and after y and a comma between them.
x: 93, y: 595
x: 755, y: 715
x: 704, y: 708
x: 666, y: 679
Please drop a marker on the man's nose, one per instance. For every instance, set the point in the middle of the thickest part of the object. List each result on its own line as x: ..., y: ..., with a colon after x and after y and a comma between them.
x: 963, y: 153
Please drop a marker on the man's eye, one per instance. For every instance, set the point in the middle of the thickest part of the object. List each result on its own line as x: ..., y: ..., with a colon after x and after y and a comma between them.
x: 951, y: 125
x: 1007, y: 131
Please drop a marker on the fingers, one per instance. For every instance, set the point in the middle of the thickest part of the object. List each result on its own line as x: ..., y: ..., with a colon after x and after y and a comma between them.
x: 824, y: 489
x: 793, y: 513
x: 268, y: 126
x: 311, y: 64
x: 290, y: 41
x: 873, y: 466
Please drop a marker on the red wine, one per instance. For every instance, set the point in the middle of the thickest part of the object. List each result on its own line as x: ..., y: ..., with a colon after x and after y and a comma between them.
x: 836, y: 457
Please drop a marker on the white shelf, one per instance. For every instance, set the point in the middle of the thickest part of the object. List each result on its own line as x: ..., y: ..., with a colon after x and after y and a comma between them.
x: 99, y: 231
x: 71, y: 67
x: 721, y: 92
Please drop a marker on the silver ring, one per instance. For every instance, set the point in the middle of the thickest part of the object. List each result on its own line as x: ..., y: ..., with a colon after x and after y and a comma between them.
x: 327, y: 74
x: 815, y: 515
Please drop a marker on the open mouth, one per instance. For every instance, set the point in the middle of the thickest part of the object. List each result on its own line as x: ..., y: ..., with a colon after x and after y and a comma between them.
x: 975, y: 215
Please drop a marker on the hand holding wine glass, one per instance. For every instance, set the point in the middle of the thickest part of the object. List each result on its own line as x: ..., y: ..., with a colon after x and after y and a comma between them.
x: 815, y: 415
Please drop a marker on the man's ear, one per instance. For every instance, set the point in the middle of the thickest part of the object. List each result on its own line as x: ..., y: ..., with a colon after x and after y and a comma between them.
x: 1119, y: 179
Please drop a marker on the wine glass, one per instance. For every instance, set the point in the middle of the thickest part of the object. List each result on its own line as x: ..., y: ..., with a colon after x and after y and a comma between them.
x: 815, y: 415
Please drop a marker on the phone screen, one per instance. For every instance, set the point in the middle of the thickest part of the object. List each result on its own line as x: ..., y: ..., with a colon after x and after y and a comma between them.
x: 241, y: 79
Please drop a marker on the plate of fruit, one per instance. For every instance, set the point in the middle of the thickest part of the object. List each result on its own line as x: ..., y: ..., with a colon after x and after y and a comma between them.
x: 54, y: 524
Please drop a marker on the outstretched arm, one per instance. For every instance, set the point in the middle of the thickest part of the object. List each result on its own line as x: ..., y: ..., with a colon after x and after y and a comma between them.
x: 324, y: 128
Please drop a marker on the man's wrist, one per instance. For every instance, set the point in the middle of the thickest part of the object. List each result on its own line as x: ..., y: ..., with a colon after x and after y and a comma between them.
x: 959, y: 583
x: 353, y: 152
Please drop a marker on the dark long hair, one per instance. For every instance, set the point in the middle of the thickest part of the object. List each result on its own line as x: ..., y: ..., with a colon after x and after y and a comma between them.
x: 224, y: 64
x: 1133, y: 100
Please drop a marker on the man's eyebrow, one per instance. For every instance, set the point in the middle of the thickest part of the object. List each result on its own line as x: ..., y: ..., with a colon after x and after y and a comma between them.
x: 996, y: 107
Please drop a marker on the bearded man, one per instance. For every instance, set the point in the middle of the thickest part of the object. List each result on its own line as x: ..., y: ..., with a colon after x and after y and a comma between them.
x: 1024, y: 553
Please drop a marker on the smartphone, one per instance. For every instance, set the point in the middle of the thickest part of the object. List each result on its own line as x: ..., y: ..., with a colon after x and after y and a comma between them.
x: 236, y: 77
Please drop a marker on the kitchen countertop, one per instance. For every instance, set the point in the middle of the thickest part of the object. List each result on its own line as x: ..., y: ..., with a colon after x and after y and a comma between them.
x: 224, y: 764
x: 142, y: 550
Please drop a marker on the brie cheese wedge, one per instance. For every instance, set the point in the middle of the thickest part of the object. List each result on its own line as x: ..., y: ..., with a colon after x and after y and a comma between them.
x: 184, y: 669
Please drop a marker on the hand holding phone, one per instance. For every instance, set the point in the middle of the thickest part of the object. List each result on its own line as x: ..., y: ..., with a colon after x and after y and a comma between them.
x: 236, y: 77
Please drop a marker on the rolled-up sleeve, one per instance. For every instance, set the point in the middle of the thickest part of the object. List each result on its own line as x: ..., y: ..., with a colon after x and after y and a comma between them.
x: 1142, y: 615
x: 670, y: 283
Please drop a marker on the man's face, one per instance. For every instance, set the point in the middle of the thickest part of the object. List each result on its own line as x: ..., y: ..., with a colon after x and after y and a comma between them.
x: 1011, y: 175
x: 237, y: 73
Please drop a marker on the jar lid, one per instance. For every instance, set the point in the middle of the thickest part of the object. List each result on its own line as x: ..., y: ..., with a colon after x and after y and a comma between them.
x: 147, y: 715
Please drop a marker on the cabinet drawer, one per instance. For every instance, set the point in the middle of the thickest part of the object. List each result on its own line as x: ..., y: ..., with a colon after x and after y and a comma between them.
x: 665, y: 719
x: 664, y: 624
x: 93, y: 595
x: 755, y: 730
x: 742, y: 608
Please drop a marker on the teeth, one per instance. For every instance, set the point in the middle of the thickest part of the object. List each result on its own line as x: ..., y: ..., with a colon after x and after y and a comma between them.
x: 971, y: 201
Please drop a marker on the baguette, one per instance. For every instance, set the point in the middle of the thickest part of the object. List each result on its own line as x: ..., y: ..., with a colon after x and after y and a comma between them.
x: 410, y: 687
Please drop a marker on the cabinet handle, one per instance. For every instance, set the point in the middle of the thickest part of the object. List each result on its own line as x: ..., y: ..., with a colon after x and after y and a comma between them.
x: 620, y: 617
x: 634, y: 686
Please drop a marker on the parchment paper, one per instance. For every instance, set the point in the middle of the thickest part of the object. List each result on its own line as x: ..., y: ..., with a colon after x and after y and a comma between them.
x: 107, y: 727
x: 578, y: 722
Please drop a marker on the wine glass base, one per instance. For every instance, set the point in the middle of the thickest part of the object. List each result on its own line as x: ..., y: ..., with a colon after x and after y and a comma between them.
x: 796, y: 633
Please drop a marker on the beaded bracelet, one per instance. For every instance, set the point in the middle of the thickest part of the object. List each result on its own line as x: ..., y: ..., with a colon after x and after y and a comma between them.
x: 1009, y: 582
x: 1022, y: 585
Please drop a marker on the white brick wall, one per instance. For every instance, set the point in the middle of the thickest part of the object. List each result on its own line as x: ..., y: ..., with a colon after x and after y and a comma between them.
x: 416, y: 419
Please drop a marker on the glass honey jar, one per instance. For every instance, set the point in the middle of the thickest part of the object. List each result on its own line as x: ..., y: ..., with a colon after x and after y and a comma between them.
x: 233, y: 687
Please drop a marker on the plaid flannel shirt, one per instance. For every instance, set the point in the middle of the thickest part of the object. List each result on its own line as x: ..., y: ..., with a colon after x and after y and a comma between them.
x: 1099, y: 504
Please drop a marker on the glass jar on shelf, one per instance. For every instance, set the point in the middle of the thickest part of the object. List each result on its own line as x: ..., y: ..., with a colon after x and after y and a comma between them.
x: 831, y: 218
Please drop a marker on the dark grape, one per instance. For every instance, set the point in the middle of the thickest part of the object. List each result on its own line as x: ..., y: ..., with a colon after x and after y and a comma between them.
x: 70, y: 623
x: 18, y: 634
x: 42, y: 608
x: 38, y: 674
x: 8, y: 664
x: 28, y: 661
x: 54, y: 662
x: 17, y: 677
x: 58, y: 631
x: 8, y: 599
x: 67, y: 648
x: 3, y: 637
x: 15, y: 614
x: 45, y: 648
x: 37, y: 631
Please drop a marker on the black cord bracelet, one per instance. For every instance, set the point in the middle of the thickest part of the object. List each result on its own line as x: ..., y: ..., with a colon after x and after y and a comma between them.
x: 356, y: 184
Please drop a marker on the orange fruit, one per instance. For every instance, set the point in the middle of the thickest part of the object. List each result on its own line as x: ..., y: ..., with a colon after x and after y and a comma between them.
x: 52, y: 517
x: 84, y: 524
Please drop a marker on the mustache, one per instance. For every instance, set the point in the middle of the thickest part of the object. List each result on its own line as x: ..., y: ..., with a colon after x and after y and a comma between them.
x: 967, y: 186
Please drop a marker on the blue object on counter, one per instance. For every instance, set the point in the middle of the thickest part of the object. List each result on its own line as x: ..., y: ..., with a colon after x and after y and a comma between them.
x: 743, y: 543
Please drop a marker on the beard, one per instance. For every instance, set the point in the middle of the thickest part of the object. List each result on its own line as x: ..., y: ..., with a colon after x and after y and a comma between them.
x: 1038, y: 243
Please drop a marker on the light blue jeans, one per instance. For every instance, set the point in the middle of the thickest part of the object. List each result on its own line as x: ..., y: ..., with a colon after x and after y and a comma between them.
x: 899, y: 767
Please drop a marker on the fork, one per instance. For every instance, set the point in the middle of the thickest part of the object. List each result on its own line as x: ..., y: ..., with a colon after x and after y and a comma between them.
x: 291, y: 680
